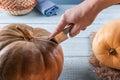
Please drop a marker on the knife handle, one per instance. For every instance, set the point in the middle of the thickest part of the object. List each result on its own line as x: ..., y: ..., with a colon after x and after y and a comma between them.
x: 62, y: 36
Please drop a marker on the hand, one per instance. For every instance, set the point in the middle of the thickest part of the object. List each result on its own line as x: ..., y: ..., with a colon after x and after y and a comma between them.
x: 81, y: 16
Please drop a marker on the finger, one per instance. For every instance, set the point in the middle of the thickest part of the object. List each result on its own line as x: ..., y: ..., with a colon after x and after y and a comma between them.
x: 61, y: 25
x: 74, y: 31
x: 83, y: 28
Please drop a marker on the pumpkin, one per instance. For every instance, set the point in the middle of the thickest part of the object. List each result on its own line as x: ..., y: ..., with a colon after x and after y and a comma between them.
x: 103, y: 72
x: 106, y: 44
x: 27, y: 54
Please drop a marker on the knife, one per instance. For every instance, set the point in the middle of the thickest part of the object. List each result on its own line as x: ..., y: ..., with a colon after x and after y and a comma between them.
x: 62, y: 36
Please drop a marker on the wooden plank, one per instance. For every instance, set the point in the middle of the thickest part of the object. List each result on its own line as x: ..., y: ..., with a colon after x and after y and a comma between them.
x: 77, y: 68
x: 36, y: 17
x: 50, y: 27
x: 75, y: 47
x: 33, y: 17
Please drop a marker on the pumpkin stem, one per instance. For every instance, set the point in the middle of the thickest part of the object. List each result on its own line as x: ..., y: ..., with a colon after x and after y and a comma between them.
x: 112, y: 51
x: 27, y: 34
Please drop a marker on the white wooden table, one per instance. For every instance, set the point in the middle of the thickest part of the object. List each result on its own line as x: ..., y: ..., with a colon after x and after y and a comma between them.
x: 77, y: 49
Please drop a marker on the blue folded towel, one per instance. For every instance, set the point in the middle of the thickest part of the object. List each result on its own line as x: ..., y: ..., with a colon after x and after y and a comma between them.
x: 47, y: 8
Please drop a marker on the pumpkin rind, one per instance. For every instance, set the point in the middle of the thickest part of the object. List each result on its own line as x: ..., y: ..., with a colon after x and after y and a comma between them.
x: 106, y: 44
x: 26, y: 54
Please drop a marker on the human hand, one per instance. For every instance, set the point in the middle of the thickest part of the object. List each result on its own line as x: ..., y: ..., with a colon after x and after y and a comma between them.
x: 81, y: 16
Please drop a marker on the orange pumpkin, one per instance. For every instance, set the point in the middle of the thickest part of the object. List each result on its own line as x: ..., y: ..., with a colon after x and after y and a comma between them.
x: 27, y: 54
x: 106, y: 44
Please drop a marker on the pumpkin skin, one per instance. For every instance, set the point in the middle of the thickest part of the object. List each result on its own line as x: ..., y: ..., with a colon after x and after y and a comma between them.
x: 27, y: 54
x: 106, y: 44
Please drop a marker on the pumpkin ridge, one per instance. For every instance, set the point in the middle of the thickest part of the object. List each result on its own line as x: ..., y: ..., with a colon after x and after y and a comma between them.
x: 57, y: 61
x: 8, y: 42
x: 44, y: 48
x: 2, y: 68
x: 4, y: 63
x: 45, y: 40
x: 27, y: 35
x: 7, y: 32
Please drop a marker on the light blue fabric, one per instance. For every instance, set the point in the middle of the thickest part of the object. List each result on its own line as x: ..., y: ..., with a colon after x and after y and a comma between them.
x: 67, y: 1
x: 47, y: 7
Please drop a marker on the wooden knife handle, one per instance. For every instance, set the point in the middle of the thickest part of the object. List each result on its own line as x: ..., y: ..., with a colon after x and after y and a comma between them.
x: 62, y: 36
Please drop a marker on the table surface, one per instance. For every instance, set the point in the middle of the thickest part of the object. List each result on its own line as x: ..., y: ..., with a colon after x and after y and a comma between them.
x: 76, y: 50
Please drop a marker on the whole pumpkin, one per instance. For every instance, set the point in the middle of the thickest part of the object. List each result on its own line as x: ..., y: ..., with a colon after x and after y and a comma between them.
x: 106, y: 44
x: 27, y: 54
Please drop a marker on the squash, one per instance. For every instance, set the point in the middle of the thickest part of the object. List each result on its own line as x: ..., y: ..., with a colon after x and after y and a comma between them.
x: 27, y: 54
x: 106, y: 44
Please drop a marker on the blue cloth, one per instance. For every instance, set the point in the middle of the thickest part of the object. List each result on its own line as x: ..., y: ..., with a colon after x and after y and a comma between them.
x: 47, y: 8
